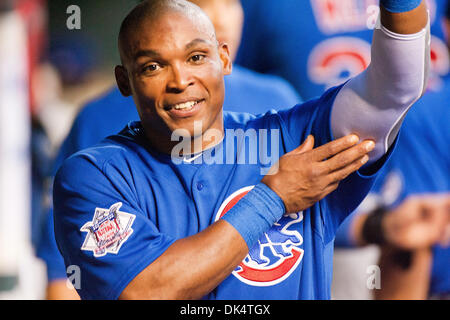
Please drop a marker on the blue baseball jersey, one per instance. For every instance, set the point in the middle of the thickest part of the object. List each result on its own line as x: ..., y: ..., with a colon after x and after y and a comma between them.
x: 420, y: 164
x: 119, y: 205
x: 245, y: 90
x: 255, y: 93
x: 316, y: 44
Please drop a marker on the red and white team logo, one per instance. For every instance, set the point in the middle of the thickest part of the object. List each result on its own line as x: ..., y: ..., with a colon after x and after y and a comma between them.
x: 277, y: 253
x: 439, y: 56
x: 440, y: 63
x: 335, y: 60
x: 108, y: 230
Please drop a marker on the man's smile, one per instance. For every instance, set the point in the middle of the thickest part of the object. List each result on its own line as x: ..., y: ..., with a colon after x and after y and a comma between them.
x: 185, y: 108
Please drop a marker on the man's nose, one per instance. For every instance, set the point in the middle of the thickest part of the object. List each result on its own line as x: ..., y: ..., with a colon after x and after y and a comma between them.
x: 179, y: 79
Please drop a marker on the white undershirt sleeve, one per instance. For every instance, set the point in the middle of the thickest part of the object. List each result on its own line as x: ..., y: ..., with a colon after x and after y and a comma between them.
x: 374, y: 103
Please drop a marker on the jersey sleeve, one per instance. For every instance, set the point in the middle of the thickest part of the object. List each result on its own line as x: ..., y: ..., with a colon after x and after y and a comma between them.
x: 314, y: 117
x: 79, y: 137
x: 46, y: 247
x: 101, y: 228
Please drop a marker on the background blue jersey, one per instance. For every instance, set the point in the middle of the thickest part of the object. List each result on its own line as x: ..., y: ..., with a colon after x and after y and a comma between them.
x: 119, y: 205
x: 420, y: 164
x: 316, y: 44
x: 246, y: 91
x: 255, y: 93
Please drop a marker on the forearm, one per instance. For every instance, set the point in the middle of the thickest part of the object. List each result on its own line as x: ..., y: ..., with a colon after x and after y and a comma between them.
x: 58, y: 290
x: 356, y: 228
x: 405, y: 22
x: 367, y: 228
x: 192, y: 267
x: 409, y: 281
x: 374, y: 104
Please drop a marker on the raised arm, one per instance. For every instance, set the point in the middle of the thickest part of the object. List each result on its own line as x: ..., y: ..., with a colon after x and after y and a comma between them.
x: 374, y: 104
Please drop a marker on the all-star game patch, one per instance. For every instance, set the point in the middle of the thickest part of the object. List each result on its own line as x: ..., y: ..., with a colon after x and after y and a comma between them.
x: 108, y: 230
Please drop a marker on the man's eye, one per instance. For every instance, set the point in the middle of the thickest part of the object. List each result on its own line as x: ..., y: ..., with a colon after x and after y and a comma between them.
x: 151, y: 67
x: 198, y: 58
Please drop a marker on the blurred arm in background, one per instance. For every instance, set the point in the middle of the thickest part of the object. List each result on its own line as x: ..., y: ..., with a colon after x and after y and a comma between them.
x: 407, y: 213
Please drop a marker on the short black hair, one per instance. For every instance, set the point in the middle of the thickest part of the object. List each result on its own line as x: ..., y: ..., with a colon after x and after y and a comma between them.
x: 147, y: 10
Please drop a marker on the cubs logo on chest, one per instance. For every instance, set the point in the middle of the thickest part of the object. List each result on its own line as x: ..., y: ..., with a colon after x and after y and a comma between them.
x: 278, y: 252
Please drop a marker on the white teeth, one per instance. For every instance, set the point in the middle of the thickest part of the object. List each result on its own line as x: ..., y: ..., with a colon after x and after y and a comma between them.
x: 185, y: 105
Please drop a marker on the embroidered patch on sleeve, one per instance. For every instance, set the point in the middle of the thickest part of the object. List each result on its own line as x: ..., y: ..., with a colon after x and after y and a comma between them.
x: 108, y: 230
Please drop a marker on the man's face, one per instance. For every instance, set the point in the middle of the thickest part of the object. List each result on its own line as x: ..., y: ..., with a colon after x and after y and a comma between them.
x: 228, y: 19
x: 175, y: 72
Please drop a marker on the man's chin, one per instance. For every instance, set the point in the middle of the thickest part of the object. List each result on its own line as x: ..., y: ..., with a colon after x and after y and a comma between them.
x: 192, y: 130
x: 197, y: 131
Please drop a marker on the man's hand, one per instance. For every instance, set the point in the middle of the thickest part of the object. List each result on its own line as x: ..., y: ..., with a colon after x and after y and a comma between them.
x: 419, y: 222
x: 306, y: 175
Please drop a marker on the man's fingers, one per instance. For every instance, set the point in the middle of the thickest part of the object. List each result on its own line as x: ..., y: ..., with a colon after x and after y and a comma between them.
x: 307, y: 145
x: 434, y: 217
x: 349, y: 156
x: 334, y: 147
x: 344, y: 172
x: 330, y: 188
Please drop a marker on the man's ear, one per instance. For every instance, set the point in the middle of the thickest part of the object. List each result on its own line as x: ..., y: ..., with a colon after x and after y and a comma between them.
x: 122, y: 80
x: 224, y: 53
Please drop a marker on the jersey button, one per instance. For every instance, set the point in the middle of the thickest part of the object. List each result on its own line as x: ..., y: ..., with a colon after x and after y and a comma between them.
x: 200, y: 186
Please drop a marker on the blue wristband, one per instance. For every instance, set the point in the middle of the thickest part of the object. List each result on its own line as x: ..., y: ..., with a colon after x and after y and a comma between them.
x: 397, y: 6
x: 255, y: 213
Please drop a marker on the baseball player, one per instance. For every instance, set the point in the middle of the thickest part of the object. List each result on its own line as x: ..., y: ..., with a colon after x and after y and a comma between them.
x: 415, y: 250
x: 406, y: 212
x: 332, y: 45
x: 246, y: 91
x: 145, y: 218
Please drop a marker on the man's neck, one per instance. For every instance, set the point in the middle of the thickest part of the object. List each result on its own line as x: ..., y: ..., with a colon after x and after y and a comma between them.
x: 182, y: 146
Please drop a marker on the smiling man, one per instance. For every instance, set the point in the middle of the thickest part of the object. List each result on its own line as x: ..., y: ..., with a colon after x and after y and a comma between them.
x: 245, y: 91
x: 143, y: 226
x: 174, y: 72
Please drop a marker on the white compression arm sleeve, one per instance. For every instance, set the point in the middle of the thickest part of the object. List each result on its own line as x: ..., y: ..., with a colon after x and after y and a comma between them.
x: 374, y: 103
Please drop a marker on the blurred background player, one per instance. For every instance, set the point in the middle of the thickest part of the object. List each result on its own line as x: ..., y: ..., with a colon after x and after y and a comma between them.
x: 405, y: 213
x: 332, y: 46
x: 24, y: 147
x: 400, y: 216
x: 316, y: 44
x: 110, y: 113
